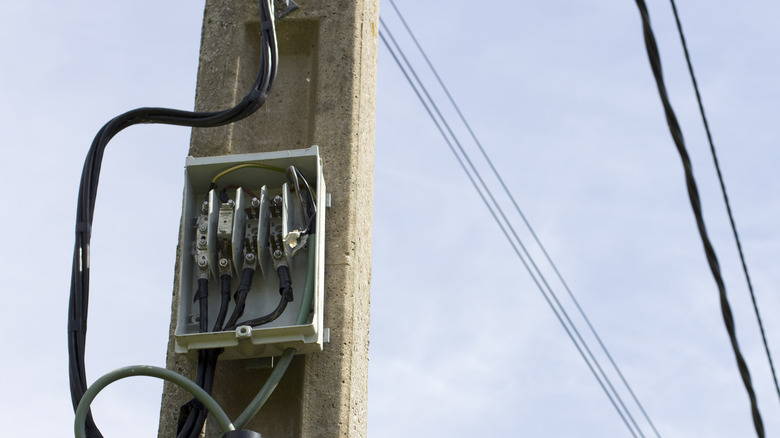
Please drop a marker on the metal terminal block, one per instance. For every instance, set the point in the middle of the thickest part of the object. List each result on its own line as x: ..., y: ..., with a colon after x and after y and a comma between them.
x: 201, y: 245
x: 225, y: 221
x: 225, y: 267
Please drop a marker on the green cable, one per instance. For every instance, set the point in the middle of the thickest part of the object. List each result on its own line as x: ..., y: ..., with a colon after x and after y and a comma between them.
x: 146, y: 370
x: 308, y: 286
x: 284, y: 361
x: 266, y: 390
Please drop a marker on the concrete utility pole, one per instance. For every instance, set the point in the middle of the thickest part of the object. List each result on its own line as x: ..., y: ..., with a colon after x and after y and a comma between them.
x: 324, y: 95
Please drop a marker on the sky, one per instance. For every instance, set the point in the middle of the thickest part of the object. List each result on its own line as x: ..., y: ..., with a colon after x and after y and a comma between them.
x: 462, y: 342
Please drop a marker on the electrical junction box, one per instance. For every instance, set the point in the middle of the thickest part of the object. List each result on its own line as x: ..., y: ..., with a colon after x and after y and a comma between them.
x: 252, y: 212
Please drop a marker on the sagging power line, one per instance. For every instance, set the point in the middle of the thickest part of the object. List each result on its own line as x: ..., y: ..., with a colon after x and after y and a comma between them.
x: 493, y: 206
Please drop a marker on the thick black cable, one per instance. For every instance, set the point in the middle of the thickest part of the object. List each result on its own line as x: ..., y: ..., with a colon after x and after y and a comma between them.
x: 202, y: 297
x: 224, y: 301
x: 525, y: 220
x: 506, y: 234
x: 265, y: 319
x: 192, y: 415
x: 79, y: 292
x: 693, y: 195
x: 285, y: 290
x: 193, y: 410
x: 725, y: 196
x: 240, y: 297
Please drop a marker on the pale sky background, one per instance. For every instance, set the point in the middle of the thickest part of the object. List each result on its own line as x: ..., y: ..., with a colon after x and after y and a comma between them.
x: 462, y: 343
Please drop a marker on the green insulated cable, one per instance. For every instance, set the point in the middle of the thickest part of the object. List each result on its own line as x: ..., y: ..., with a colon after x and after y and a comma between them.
x: 308, y: 286
x: 151, y: 371
x: 287, y: 355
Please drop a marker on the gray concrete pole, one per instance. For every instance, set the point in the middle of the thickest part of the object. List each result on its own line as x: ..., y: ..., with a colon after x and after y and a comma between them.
x: 324, y: 95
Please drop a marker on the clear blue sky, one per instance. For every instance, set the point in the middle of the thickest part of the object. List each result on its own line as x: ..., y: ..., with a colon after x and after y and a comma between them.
x: 462, y: 343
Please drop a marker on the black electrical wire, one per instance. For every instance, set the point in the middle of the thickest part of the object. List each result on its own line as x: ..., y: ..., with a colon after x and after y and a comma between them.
x: 240, y: 297
x: 79, y: 291
x: 506, y: 234
x: 202, y: 297
x: 285, y: 290
x: 693, y: 195
x: 192, y: 414
x: 265, y: 319
x: 725, y: 196
x: 225, y: 300
x: 194, y: 411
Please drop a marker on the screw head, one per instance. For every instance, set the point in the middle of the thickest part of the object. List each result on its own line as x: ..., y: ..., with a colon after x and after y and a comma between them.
x: 203, y: 228
x: 278, y: 199
x: 250, y: 258
x: 204, y: 207
x: 255, y: 202
x: 223, y: 263
x: 202, y: 263
x: 231, y: 203
x: 277, y: 254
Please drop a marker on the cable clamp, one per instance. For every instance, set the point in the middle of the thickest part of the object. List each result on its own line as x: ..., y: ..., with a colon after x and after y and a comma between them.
x: 76, y: 325
x: 84, y: 227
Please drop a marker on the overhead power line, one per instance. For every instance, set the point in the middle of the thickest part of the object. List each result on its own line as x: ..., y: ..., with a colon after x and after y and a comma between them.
x: 725, y: 196
x: 624, y: 413
x: 523, y: 217
x: 693, y: 195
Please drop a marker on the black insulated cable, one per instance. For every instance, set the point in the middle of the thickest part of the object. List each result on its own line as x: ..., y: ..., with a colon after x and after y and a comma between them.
x: 190, y: 411
x: 202, y: 297
x: 240, y: 297
x: 265, y: 319
x: 194, y: 409
x: 224, y: 302
x: 725, y: 197
x: 79, y: 290
x: 285, y: 290
x: 192, y: 415
x: 693, y: 195
x: 285, y: 283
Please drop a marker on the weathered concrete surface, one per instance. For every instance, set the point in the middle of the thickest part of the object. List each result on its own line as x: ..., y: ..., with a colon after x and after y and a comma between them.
x: 324, y: 95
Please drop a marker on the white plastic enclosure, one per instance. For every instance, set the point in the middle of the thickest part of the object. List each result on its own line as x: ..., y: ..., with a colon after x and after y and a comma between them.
x: 245, y: 184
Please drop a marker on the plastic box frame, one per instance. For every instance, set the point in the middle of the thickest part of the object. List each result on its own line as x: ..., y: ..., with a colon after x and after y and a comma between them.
x: 272, y: 339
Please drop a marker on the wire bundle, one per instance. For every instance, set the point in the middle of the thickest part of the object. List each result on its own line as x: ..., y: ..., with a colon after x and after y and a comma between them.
x: 79, y: 290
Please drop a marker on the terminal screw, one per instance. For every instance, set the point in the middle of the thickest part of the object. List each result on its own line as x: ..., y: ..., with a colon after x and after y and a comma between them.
x: 250, y: 258
x: 204, y: 207
x: 203, y: 228
x: 255, y: 202
x: 223, y: 263
x: 202, y: 263
x: 277, y: 199
x: 277, y: 254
